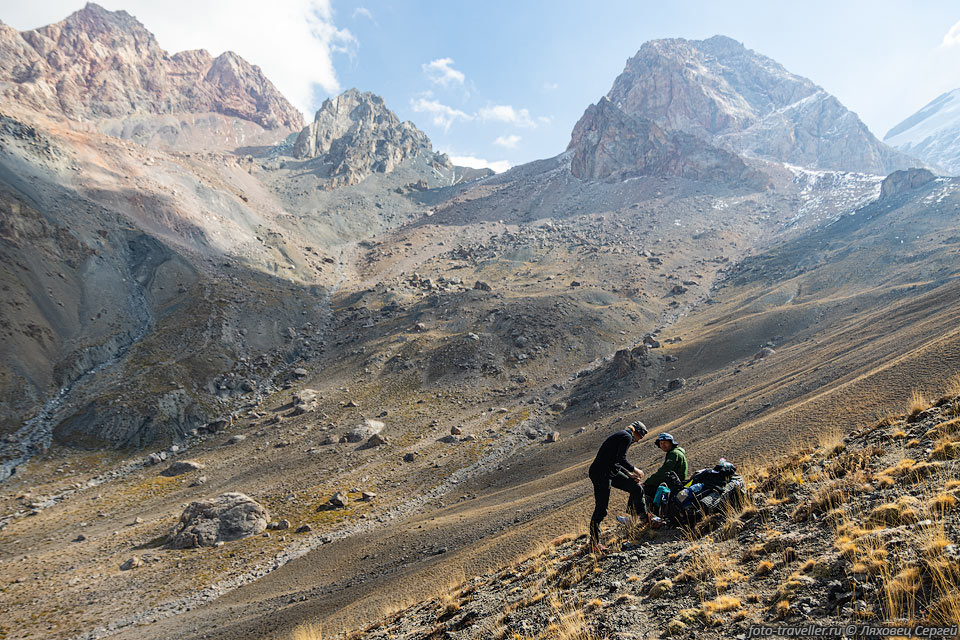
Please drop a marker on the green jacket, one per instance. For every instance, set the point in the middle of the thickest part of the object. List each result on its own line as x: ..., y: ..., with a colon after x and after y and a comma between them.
x: 676, y: 461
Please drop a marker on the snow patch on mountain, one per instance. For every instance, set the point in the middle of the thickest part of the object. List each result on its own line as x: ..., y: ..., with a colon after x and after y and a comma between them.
x: 827, y: 195
x: 932, y: 133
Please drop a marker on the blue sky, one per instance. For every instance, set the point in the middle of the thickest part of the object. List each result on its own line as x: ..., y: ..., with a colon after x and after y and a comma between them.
x: 504, y: 82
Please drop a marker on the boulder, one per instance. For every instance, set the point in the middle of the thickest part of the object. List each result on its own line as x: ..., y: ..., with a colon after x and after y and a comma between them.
x: 229, y: 516
x: 675, y: 384
x: 409, y: 457
x: 482, y: 286
x: 900, y: 182
x: 180, y: 467
x: 455, y: 431
x: 338, y: 500
x: 300, y: 372
x: 763, y: 353
x: 237, y: 439
x: 376, y: 440
x: 365, y: 430
x: 132, y: 563
x: 553, y: 436
x: 217, y: 425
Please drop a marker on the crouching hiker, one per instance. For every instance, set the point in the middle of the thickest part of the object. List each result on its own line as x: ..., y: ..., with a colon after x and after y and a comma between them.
x: 611, y: 467
x: 674, y: 462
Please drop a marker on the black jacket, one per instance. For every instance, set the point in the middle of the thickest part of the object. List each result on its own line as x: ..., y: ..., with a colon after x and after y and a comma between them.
x: 612, y: 457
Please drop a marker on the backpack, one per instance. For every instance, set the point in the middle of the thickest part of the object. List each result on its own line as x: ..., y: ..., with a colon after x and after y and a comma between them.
x: 708, y: 491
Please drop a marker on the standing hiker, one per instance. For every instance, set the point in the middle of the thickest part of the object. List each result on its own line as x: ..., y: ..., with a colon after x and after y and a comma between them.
x: 611, y: 467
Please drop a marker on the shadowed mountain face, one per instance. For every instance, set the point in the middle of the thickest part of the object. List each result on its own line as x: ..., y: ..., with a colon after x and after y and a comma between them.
x: 105, y: 67
x: 745, y: 102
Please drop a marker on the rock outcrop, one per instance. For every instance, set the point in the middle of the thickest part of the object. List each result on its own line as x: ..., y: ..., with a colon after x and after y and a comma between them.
x: 104, y: 66
x: 608, y: 143
x: 229, y: 516
x: 747, y: 103
x: 357, y: 135
x: 900, y: 182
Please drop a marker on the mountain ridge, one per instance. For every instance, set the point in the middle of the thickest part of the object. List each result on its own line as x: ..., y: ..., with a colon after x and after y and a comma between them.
x: 103, y: 67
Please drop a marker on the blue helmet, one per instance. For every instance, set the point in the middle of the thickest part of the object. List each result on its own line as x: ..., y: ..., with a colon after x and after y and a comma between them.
x: 665, y: 436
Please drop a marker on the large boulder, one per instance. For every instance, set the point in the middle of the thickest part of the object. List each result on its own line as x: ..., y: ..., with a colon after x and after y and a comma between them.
x: 365, y: 430
x: 180, y: 467
x: 900, y: 182
x: 229, y: 516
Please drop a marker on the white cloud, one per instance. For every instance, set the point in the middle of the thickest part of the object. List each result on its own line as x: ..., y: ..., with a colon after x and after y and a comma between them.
x: 441, y: 71
x: 364, y: 12
x: 508, y: 114
x: 442, y: 115
x: 550, y: 86
x: 508, y: 142
x: 499, y: 166
x: 293, y: 42
x: 953, y: 36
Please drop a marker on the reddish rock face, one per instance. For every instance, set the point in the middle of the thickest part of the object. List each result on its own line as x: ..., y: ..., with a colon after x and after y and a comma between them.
x: 99, y: 64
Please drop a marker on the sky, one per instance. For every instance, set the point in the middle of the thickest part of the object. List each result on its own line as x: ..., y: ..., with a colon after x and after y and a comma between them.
x: 500, y: 83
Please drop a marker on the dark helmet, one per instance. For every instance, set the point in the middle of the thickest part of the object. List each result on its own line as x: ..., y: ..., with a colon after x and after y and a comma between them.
x: 665, y: 436
x: 639, y: 428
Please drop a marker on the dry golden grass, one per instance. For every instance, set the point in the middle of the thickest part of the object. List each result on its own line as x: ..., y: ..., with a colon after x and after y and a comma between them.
x: 943, y: 430
x: 660, y: 588
x: 764, y: 568
x: 946, y: 450
x: 831, y: 442
x: 917, y: 403
x: 595, y: 604
x: 571, y: 626
x: 307, y: 631
x: 903, y: 511
x: 899, y: 595
x: 782, y: 609
x: 722, y: 603
x: 942, y: 503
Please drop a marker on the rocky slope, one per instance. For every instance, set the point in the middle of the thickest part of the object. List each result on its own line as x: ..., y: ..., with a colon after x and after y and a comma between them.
x: 747, y: 103
x: 356, y: 135
x: 932, y: 133
x: 860, y: 529
x: 105, y: 68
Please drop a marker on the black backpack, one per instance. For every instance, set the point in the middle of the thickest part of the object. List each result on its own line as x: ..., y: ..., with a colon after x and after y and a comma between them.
x: 707, y: 492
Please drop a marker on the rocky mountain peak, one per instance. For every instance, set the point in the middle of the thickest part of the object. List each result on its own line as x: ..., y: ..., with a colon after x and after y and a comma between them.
x: 359, y: 135
x: 98, y: 64
x: 608, y: 143
x: 748, y: 103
